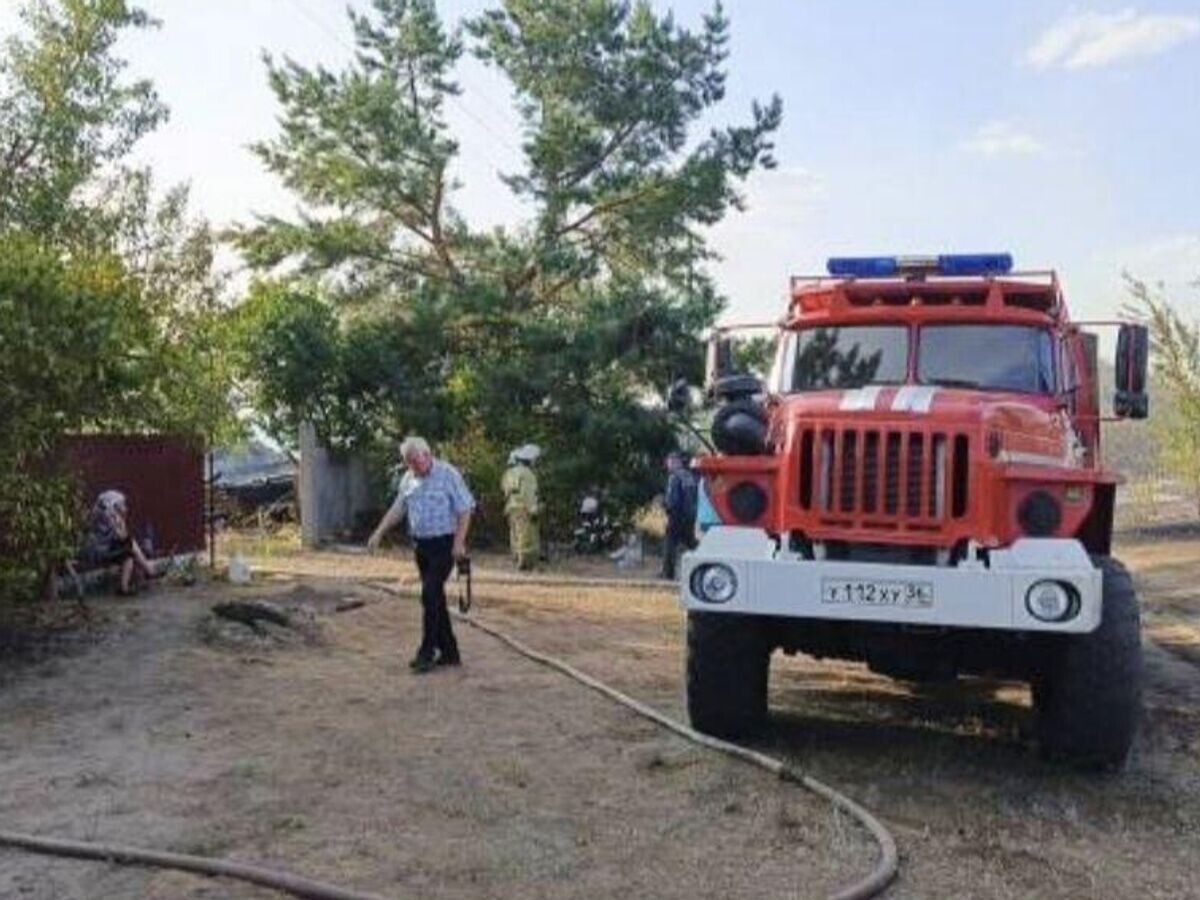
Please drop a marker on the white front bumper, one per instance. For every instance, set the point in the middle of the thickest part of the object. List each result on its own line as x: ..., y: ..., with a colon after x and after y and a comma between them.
x: 967, y: 596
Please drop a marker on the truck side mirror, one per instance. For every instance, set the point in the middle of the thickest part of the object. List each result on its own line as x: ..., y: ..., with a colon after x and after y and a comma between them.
x: 718, y: 361
x: 1133, y: 358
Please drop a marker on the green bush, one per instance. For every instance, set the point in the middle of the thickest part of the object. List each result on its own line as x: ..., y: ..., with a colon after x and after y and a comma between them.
x: 38, y: 529
x: 81, y: 352
x: 66, y: 327
x: 109, y: 312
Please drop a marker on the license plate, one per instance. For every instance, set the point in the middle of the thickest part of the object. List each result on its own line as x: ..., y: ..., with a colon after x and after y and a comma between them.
x: 871, y: 592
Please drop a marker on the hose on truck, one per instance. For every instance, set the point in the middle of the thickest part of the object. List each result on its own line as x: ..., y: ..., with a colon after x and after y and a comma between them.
x: 870, y: 885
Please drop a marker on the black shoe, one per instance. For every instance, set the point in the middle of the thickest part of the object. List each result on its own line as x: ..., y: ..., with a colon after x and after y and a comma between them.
x: 449, y: 659
x: 421, y: 663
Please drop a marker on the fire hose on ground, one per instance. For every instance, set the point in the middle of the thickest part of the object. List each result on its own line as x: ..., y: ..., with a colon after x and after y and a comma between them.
x: 286, y: 882
x: 869, y: 886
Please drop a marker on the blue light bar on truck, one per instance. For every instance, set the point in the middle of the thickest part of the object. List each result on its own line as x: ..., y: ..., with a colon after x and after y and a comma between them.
x: 960, y: 264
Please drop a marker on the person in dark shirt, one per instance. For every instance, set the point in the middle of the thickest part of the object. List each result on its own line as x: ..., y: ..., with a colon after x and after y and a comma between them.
x: 110, y: 542
x: 680, y: 504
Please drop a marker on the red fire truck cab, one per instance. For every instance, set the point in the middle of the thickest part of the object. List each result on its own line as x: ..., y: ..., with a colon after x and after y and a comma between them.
x: 919, y: 486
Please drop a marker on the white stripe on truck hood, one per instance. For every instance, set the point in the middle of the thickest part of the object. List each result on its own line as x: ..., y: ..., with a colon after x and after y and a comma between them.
x: 917, y: 398
x: 861, y: 399
x: 914, y: 398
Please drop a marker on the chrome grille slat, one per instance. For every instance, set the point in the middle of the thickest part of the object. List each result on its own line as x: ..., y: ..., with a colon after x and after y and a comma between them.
x: 884, y: 477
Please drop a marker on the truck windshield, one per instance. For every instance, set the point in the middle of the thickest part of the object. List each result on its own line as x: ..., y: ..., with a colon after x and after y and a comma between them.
x: 990, y: 357
x: 850, y: 357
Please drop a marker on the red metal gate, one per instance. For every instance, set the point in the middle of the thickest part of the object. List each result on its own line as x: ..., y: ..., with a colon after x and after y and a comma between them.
x: 163, y: 477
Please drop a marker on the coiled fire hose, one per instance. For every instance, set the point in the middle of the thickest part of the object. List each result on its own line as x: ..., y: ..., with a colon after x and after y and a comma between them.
x: 869, y: 886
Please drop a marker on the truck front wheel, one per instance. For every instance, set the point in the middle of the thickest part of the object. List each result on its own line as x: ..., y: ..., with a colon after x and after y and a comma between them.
x: 728, y: 660
x: 1087, y: 694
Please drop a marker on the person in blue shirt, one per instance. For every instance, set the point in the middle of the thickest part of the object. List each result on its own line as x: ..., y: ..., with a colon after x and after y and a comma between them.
x: 680, y: 504
x: 438, y: 504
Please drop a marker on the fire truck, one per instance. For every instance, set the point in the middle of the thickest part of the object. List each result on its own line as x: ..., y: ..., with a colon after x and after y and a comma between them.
x: 919, y: 486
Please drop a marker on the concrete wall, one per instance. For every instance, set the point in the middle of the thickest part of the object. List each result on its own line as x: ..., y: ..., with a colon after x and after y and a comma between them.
x: 333, y: 488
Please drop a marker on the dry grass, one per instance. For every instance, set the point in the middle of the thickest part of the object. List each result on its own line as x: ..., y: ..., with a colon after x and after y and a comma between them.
x: 1152, y: 500
x: 274, y: 542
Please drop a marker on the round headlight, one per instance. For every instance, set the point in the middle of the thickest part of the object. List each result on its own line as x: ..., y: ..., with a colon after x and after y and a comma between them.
x: 714, y: 583
x: 1051, y: 601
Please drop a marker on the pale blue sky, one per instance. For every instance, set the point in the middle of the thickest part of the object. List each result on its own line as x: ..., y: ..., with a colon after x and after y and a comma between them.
x: 1065, y: 132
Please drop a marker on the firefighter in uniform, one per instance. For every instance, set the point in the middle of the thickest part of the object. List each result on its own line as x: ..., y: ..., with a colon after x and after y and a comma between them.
x: 520, y: 488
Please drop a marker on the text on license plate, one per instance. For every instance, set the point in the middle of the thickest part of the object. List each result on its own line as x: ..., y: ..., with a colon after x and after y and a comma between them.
x: 864, y: 592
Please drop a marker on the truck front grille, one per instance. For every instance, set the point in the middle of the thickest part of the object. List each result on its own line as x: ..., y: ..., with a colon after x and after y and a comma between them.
x: 884, y: 478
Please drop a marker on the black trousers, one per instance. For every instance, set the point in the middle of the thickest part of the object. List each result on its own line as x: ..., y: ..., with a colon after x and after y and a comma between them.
x: 681, y: 535
x: 435, y: 560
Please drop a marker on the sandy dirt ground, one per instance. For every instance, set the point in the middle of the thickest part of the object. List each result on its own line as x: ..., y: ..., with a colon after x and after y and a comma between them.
x: 322, y: 754
x: 327, y: 757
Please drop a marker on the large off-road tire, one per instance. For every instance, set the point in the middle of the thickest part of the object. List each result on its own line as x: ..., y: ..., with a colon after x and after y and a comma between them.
x: 1087, y: 696
x: 728, y: 661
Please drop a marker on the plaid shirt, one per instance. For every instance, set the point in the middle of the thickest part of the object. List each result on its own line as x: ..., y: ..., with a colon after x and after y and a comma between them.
x: 433, y: 502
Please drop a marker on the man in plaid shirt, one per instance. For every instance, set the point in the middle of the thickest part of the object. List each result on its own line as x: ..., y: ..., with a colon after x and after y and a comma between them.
x: 439, y: 505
